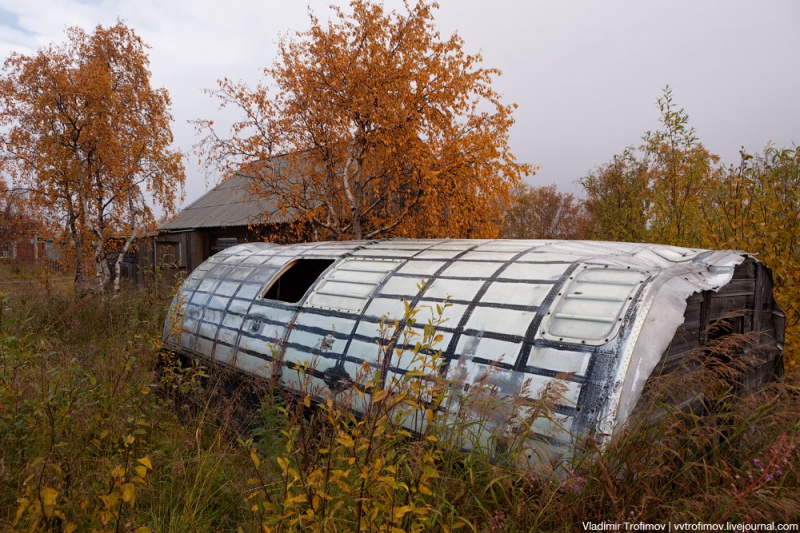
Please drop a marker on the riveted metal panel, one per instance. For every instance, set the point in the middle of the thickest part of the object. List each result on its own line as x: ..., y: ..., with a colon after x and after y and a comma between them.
x: 348, y: 286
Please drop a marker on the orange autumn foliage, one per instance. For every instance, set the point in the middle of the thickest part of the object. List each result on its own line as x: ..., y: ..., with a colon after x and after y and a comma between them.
x: 15, y: 219
x: 86, y: 134
x: 372, y: 126
x: 545, y: 213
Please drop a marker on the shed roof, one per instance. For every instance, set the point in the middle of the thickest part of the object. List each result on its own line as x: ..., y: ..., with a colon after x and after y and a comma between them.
x: 228, y: 204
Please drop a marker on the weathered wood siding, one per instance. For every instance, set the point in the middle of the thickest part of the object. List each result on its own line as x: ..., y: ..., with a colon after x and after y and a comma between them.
x: 745, y: 305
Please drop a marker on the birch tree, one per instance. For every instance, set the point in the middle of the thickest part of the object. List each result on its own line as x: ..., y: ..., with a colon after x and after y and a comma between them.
x: 372, y: 125
x: 87, y: 135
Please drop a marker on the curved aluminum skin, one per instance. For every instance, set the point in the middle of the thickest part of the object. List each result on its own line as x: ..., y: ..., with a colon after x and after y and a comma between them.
x: 597, y: 314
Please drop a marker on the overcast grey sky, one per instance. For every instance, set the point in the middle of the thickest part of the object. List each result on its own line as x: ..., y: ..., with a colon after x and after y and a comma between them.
x: 585, y: 74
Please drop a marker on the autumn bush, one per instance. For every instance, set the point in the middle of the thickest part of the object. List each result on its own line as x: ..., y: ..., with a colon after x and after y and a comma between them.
x: 671, y: 190
x: 755, y: 206
x: 334, y: 471
x: 85, y: 419
x: 101, y: 430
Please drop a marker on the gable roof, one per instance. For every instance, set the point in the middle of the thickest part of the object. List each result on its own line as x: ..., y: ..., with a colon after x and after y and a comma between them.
x: 229, y: 204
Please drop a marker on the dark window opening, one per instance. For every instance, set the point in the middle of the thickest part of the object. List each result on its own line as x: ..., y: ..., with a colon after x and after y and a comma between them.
x: 224, y: 242
x: 295, y: 281
x: 723, y: 327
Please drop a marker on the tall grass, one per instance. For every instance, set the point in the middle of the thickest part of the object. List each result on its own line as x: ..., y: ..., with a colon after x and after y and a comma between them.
x: 101, y: 430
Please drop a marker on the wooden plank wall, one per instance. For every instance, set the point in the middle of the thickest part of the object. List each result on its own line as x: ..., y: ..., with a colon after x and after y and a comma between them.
x: 744, y: 305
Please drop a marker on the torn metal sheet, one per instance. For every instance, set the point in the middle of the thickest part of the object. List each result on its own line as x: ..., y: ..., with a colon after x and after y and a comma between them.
x: 598, y: 316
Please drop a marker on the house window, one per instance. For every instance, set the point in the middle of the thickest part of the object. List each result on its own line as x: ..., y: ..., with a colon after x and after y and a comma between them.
x: 8, y: 251
x: 293, y: 282
x: 224, y: 242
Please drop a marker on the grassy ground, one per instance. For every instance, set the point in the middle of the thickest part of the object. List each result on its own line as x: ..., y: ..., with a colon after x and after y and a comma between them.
x: 100, y: 430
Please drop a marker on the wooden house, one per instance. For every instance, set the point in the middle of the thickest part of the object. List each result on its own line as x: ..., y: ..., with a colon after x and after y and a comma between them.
x: 224, y: 216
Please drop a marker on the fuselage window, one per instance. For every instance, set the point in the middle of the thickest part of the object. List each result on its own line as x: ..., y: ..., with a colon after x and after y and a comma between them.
x: 350, y: 285
x: 295, y: 280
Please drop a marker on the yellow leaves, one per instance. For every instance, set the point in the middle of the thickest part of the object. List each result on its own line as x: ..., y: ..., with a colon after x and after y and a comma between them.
x: 408, y: 118
x: 141, y: 469
x: 91, y: 134
x: 118, y: 472
x: 283, y: 464
x: 48, y: 496
x: 254, y: 458
x: 23, y: 506
x: 110, y: 500
x: 141, y: 472
x: 753, y: 212
x: 400, y: 512
x: 380, y: 395
x: 300, y: 498
x: 345, y: 440
x: 458, y: 524
x: 357, y: 467
x: 128, y: 493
